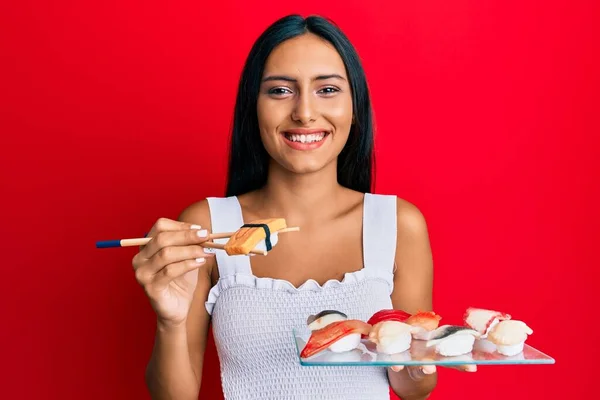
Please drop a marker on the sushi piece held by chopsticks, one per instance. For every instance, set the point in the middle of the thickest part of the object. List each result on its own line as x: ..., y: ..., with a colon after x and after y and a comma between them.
x: 257, y: 237
x: 253, y: 234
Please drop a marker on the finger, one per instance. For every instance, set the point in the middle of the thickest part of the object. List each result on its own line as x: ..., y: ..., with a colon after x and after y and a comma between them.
x: 145, y: 271
x: 418, y: 373
x: 175, y: 270
x: 428, y: 369
x: 164, y: 240
x: 168, y: 225
x: 465, y: 367
x: 175, y: 254
x: 397, y: 368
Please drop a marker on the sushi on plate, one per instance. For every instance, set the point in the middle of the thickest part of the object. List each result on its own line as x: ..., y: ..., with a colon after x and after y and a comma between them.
x: 453, y: 340
x: 338, y: 337
x: 391, y: 337
x: 509, y: 336
x: 324, y: 318
x: 425, y: 322
x: 388, y: 315
x: 482, y: 320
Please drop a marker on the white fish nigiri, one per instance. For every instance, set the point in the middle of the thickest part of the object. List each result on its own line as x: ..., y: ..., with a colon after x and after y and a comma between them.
x: 509, y: 336
x: 392, y: 337
x: 324, y: 318
x: 453, y: 340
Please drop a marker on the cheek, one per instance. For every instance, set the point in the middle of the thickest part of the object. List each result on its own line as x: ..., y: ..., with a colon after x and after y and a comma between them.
x: 339, y: 113
x: 271, y: 114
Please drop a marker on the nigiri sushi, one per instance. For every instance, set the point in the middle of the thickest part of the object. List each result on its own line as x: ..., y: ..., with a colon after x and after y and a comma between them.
x: 424, y: 322
x: 425, y: 319
x: 483, y: 320
x: 262, y: 245
x: 391, y: 337
x: 509, y: 336
x: 388, y: 315
x: 324, y: 318
x: 337, y: 336
x: 453, y: 340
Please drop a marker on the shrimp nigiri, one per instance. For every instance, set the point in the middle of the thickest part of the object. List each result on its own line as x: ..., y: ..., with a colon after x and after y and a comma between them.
x: 337, y: 336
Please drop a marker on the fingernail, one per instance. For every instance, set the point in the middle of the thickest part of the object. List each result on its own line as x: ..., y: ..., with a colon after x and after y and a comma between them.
x: 196, y: 227
x: 396, y: 369
x: 202, y: 233
x: 200, y: 260
x: 428, y: 369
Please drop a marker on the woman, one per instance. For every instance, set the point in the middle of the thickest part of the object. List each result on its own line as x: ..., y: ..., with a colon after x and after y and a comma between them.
x: 302, y: 150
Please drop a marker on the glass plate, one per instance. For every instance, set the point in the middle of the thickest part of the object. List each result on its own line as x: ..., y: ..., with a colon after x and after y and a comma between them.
x: 365, y: 355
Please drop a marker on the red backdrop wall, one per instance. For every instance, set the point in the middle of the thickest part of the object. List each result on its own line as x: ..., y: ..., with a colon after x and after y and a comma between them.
x: 116, y: 113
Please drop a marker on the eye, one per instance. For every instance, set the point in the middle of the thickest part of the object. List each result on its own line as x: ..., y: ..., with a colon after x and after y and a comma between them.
x: 329, y: 90
x: 279, y: 91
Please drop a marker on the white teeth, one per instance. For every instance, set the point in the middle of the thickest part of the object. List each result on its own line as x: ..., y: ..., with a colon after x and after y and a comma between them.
x: 313, y: 137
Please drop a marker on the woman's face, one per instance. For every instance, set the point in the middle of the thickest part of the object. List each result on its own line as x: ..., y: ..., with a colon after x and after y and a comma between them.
x: 305, y: 104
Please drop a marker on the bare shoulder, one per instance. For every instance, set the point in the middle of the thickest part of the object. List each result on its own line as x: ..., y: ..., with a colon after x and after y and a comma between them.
x: 411, y: 220
x: 197, y: 213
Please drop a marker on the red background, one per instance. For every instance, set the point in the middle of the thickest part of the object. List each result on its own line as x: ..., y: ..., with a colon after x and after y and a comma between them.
x: 116, y: 113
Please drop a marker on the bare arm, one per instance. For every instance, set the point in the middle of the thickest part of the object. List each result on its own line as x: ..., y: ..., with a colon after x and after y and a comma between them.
x: 413, y: 286
x: 175, y: 367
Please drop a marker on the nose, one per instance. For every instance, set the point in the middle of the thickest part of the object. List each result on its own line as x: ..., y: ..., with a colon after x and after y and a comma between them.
x: 304, y: 111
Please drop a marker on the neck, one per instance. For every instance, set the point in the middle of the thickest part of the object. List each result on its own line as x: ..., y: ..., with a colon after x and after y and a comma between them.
x: 301, y: 196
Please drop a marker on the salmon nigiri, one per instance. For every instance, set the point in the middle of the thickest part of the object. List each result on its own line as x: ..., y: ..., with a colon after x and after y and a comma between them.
x: 424, y: 322
x: 427, y: 320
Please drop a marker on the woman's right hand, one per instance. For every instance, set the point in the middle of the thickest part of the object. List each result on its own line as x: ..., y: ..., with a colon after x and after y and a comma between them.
x: 167, y: 268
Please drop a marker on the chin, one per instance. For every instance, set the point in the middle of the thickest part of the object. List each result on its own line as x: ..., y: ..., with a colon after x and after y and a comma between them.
x: 304, y: 165
x: 304, y: 168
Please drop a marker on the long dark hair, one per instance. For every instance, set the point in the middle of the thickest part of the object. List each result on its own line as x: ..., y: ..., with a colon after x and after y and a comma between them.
x: 248, y: 159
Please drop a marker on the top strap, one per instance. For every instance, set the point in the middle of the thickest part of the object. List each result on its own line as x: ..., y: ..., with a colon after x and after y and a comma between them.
x: 226, y: 216
x: 379, y: 231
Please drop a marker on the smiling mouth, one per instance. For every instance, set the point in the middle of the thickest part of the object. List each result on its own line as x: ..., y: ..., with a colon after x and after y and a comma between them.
x: 305, y: 138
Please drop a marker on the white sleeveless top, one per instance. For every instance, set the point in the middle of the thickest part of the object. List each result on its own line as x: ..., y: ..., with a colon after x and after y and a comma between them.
x: 253, y: 317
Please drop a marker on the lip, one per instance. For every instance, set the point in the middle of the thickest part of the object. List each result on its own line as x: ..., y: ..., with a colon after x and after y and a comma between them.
x: 303, y: 131
x: 304, y: 146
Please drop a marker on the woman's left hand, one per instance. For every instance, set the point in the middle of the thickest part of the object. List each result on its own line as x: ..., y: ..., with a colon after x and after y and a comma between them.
x: 419, y: 372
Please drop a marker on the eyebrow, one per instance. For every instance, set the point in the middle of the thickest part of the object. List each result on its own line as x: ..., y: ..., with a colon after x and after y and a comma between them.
x: 290, y: 79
